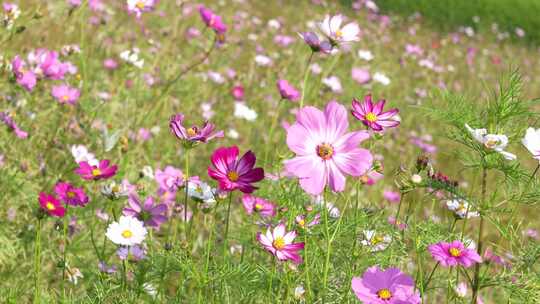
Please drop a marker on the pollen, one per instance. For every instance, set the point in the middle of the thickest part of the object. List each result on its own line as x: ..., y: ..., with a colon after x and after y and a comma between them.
x: 50, y: 206
x: 191, y: 131
x: 371, y: 117
x: 279, y: 243
x: 127, y: 234
x: 455, y: 252
x: 325, y: 151
x: 384, y: 294
x: 233, y: 176
x: 140, y: 5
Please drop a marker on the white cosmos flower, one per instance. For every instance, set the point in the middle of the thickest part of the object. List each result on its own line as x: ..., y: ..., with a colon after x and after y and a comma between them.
x: 375, y: 241
x: 531, y: 141
x: 201, y: 191
x: 80, y: 153
x: 365, y: 55
x: 132, y: 57
x: 459, y: 207
x: 232, y: 133
x: 331, y: 28
x: 496, y: 142
x: 333, y: 83
x: 263, y: 60
x: 381, y: 78
x: 128, y: 231
x: 243, y: 111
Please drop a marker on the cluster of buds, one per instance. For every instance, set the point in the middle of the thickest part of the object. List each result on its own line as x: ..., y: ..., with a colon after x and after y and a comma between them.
x: 439, y: 177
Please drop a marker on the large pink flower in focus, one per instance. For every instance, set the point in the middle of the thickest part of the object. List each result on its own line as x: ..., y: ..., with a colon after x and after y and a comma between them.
x: 233, y: 173
x: 325, y: 151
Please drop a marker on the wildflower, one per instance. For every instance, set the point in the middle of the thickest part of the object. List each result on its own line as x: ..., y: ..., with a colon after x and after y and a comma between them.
x: 253, y: 204
x: 132, y: 253
x: 212, y: 20
x: 169, y: 179
x: 132, y: 57
x: 24, y: 76
x: 377, y: 286
x: 243, y: 111
x: 461, y: 208
x: 333, y: 211
x: 101, y: 171
x: 140, y: 6
x: 12, y: 125
x: 103, y: 267
x: 375, y: 241
x: 365, y: 55
x: 65, y: 94
x: 373, y: 116
x: 73, y: 274
x: 371, y: 177
x: 279, y: 243
x: 287, y: 91
x: 461, y: 290
x: 453, y: 254
x: 201, y: 191
x: 333, y: 83
x: 302, y: 222
x: 496, y: 142
x: 416, y: 178
x: 391, y: 196
x: 151, y: 214
x: 381, y: 78
x: 238, y: 92
x: 193, y: 134
x: 11, y: 13
x: 361, y: 76
x: 114, y: 190
x: 263, y: 60
x: 324, y: 152
x: 396, y: 223
x: 80, y: 153
x: 51, y: 205
x: 331, y: 28
x: 233, y: 173
x: 315, y: 43
x: 531, y: 141
x: 128, y: 231
x: 71, y: 195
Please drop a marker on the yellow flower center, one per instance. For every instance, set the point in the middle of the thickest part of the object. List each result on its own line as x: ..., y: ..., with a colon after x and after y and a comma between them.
x: 279, y: 243
x: 233, y: 176
x: 191, y: 132
x: 140, y: 5
x: 325, y: 151
x: 364, y: 179
x: 70, y: 194
x: 384, y: 294
x: 376, y: 239
x: 302, y: 223
x: 339, y: 34
x: 491, y: 143
x: 127, y: 234
x: 115, y: 189
x: 50, y: 206
x: 258, y: 207
x: 371, y: 117
x: 65, y: 98
x: 96, y: 172
x: 455, y: 252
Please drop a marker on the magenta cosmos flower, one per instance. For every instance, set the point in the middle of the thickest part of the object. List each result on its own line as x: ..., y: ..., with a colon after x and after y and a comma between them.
x: 453, y: 254
x: 287, y: 91
x: 51, y: 205
x: 101, y: 171
x: 193, y: 134
x: 212, y: 20
x: 71, y: 195
x: 324, y: 150
x: 390, y: 286
x: 280, y: 244
x: 65, y: 94
x: 151, y: 214
x: 373, y: 116
x: 233, y: 173
x: 254, y: 204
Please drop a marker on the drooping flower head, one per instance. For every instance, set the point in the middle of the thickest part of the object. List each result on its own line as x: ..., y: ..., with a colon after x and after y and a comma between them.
x: 101, y: 171
x: 332, y: 29
x: 279, y: 243
x: 325, y: 152
x: 51, y: 205
x: 65, y: 94
x: 390, y: 286
x: 287, y: 91
x: 233, y: 173
x: 151, y: 214
x: 495, y: 142
x: 139, y: 6
x: 128, y: 231
x: 373, y: 116
x: 212, y: 20
x: 453, y: 254
x: 71, y: 195
x: 253, y: 204
x: 193, y: 135
x: 531, y: 141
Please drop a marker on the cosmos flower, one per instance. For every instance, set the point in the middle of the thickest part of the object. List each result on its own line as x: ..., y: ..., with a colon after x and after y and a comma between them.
x: 287, y: 91
x: 331, y: 28
x: 71, y: 195
x: 315, y: 43
x: 279, y: 243
x: 324, y: 151
x: 65, y: 94
x: 372, y: 115
x: 302, y: 222
x: 461, y: 208
x: 495, y: 142
x: 140, y: 6
x: 151, y: 214
x: 381, y: 78
x: 101, y: 171
x: 128, y: 231
x: 241, y: 110
x: 132, y: 57
x: 365, y: 55
x: 453, y: 254
x: 233, y: 173
x: 133, y: 253
x: 80, y: 153
x: 169, y: 179
x: 24, y: 76
x: 531, y: 141
x: 375, y: 241
x: 238, y: 92
x: 11, y: 13
x: 391, y: 196
x: 193, y: 134
x: 361, y: 76
x: 212, y: 20
x: 6, y: 118
x: 333, y: 83
x: 390, y: 286
x: 201, y: 191
x: 253, y: 204
x: 51, y: 205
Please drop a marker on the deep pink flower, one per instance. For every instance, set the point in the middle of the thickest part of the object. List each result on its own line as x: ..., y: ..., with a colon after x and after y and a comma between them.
x: 151, y: 214
x: 373, y: 116
x: 212, y: 20
x: 371, y: 177
x: 238, y: 92
x: 279, y: 243
x: 287, y: 91
x: 453, y: 254
x: 71, y: 195
x: 193, y: 134
x: 324, y: 151
x: 101, y: 171
x: 169, y: 179
x: 233, y: 173
x: 253, y: 204
x: 65, y: 94
x: 390, y: 286
x: 51, y: 205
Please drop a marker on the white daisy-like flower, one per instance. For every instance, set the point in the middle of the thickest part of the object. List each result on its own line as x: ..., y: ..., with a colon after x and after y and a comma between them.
x: 232, y: 133
x: 531, y: 141
x: 114, y: 190
x: 496, y: 142
x: 365, y: 55
x: 80, y: 153
x: 459, y: 207
x: 333, y: 83
x: 375, y: 241
x: 381, y: 78
x: 132, y: 57
x: 331, y: 28
x: 201, y: 191
x: 128, y: 231
x: 241, y: 110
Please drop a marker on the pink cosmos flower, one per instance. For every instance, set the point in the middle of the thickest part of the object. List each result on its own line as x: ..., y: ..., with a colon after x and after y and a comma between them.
x: 212, y: 20
x: 25, y: 77
x: 361, y: 76
x: 301, y: 221
x: 453, y: 254
x: 194, y: 134
x: 315, y: 43
x: 233, y: 173
x: 279, y: 243
x: 51, y: 205
x: 390, y: 286
x: 110, y: 64
x: 151, y: 214
x: 140, y: 6
x: 397, y: 223
x: 373, y: 116
x: 238, y: 92
x: 101, y: 171
x: 324, y: 151
x: 287, y: 91
x: 253, y: 204
x: 12, y: 125
x: 65, y: 94
x: 371, y: 177
x: 71, y: 195
x: 391, y: 196
x: 169, y: 179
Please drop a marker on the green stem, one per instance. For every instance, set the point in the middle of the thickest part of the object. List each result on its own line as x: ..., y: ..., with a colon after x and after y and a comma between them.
x: 64, y: 253
x: 270, y: 282
x: 306, y: 265
x: 227, y: 224
x: 426, y: 284
x: 186, y: 170
x: 306, y: 74
x: 37, y: 263
x: 328, y: 245
x: 480, y: 242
